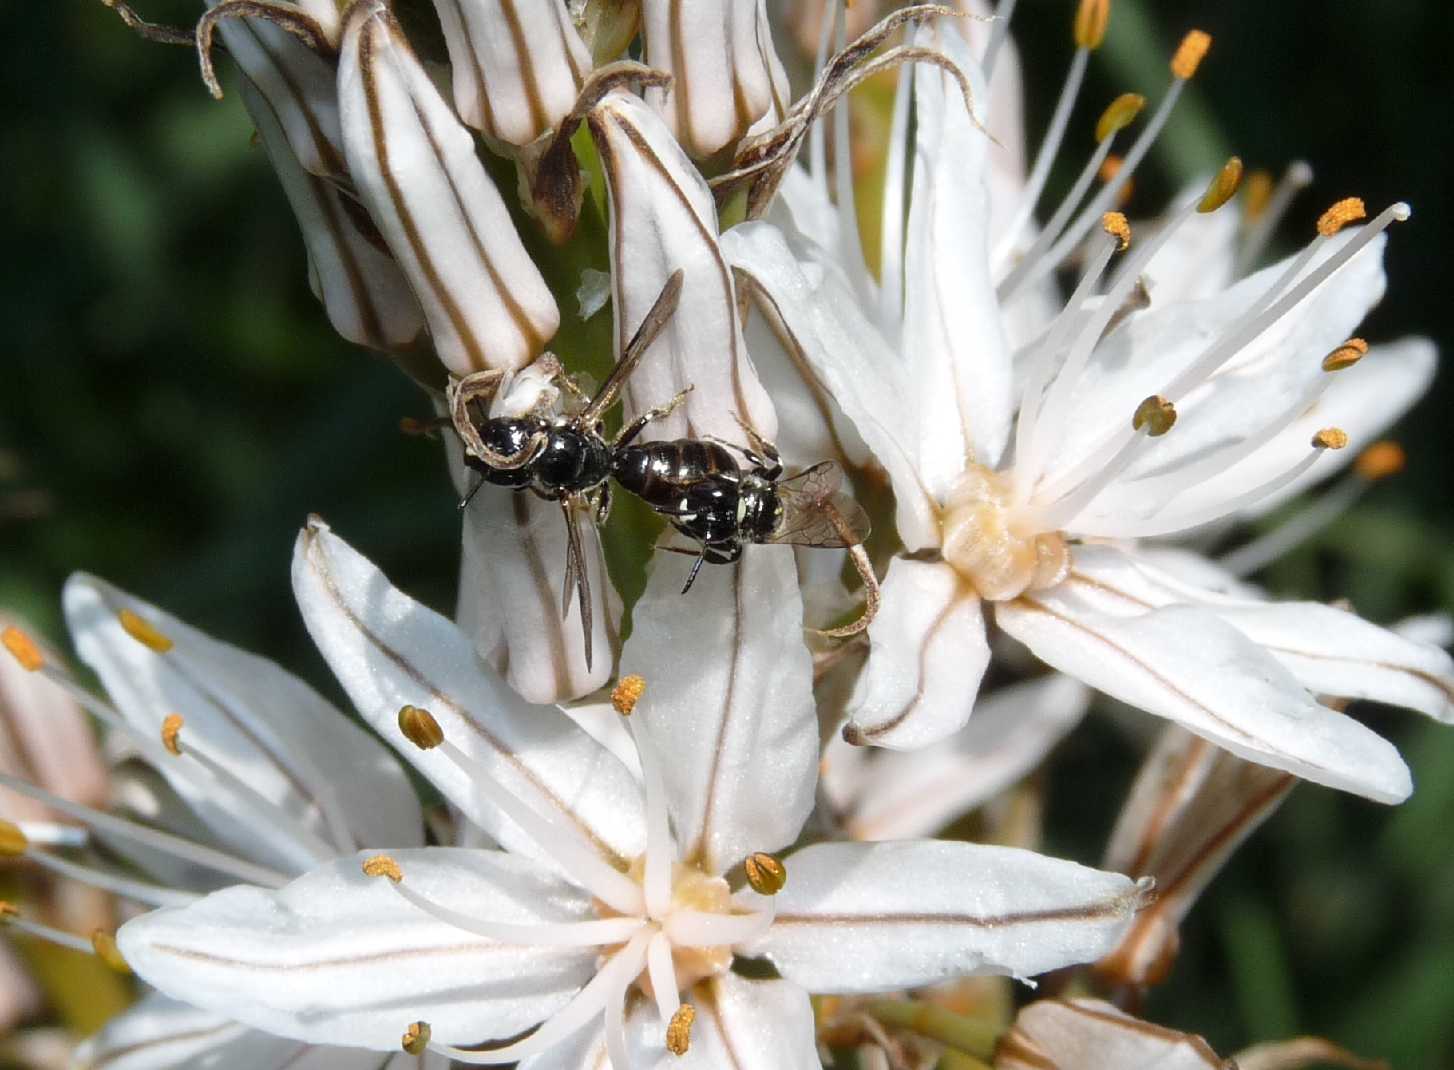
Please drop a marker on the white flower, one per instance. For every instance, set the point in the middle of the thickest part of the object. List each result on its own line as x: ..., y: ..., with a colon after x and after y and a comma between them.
x: 261, y: 780
x: 606, y: 884
x: 923, y: 367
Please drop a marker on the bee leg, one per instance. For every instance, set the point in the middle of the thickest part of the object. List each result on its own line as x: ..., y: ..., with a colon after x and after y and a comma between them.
x: 763, y: 454
x: 661, y: 412
x: 459, y: 393
x: 603, y: 503
x: 464, y: 503
x: 696, y: 567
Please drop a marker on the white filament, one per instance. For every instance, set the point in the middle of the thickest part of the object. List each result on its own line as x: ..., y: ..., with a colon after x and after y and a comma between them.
x: 1261, y: 552
x: 52, y: 834
x: 999, y: 32
x: 701, y: 928
x: 891, y: 244
x: 165, y: 842
x: 1062, y: 510
x: 1296, y: 178
x: 1044, y: 156
x: 141, y: 891
x: 593, y: 932
x: 660, y: 850
x: 601, y: 993
x: 663, y: 976
x: 54, y: 936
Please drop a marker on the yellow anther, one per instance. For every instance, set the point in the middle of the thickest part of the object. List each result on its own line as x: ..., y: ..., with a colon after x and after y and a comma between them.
x: 1257, y: 193
x: 1346, y: 355
x: 1114, y: 224
x: 415, y: 1040
x: 1330, y: 438
x: 765, y: 873
x: 1381, y: 460
x: 1223, y: 186
x: 1156, y: 414
x: 1190, y: 53
x: 12, y: 840
x: 22, y: 647
x: 627, y: 694
x: 172, y: 733
x: 382, y: 866
x: 1120, y: 114
x: 144, y: 632
x: 679, y: 1029
x: 419, y: 727
x: 104, y: 944
x: 1348, y: 210
x: 1091, y: 19
x: 8, y: 910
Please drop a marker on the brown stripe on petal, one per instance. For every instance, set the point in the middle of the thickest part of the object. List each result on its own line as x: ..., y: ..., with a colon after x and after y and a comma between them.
x: 649, y: 156
x: 1175, y: 791
x: 368, y: 312
x: 1202, y: 1049
x: 699, y: 848
x: 955, y: 601
x: 440, y: 699
x: 1119, y: 907
x: 487, y: 114
x: 544, y: 592
x: 529, y: 82
x: 452, y: 310
x: 474, y: 947
x: 321, y: 144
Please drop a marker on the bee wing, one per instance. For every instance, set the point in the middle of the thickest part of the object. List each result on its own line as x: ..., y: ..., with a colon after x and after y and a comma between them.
x: 651, y: 324
x: 575, y: 575
x: 816, y: 513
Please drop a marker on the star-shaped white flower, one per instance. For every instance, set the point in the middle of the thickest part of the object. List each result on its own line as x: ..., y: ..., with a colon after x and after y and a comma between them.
x: 1021, y: 477
x: 614, y: 901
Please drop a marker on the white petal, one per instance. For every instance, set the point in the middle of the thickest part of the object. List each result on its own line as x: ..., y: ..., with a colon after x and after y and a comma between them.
x: 1330, y: 651
x: 742, y: 1024
x: 340, y: 958
x: 928, y: 651
x: 1197, y: 261
x: 1183, y: 663
x: 263, y: 724
x: 416, y: 169
x: 1086, y: 1034
x: 873, y: 917
x: 826, y: 328
x: 299, y: 85
x: 663, y: 219
x: 1363, y: 400
x: 916, y: 793
x: 362, y: 289
x: 957, y: 356
x: 518, y: 64
x: 389, y: 651
x: 46, y: 739
x: 721, y: 68
x: 729, y: 701
x: 513, y: 568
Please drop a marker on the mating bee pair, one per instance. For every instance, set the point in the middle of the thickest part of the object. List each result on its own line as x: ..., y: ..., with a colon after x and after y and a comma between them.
x: 697, y: 484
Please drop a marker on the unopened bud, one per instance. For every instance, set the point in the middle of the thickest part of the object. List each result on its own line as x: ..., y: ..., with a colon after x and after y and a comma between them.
x: 420, y: 728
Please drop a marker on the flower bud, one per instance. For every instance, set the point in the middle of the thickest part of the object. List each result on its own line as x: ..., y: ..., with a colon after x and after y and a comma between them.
x: 720, y: 55
x: 518, y: 65
x: 416, y: 171
x: 366, y: 296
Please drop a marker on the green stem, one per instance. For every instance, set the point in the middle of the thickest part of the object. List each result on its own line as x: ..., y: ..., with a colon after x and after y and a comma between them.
x: 969, y: 1035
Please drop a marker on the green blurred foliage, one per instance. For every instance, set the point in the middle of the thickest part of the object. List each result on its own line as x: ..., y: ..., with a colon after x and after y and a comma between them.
x: 176, y: 401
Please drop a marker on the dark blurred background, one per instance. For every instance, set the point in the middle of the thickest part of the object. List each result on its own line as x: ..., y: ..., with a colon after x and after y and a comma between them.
x: 174, y: 405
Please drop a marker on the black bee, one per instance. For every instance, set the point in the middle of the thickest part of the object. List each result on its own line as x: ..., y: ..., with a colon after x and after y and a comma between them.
x: 562, y: 458
x: 701, y: 489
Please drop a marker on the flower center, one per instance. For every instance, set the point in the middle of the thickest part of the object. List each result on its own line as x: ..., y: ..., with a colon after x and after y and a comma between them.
x: 995, y: 546
x: 697, y: 898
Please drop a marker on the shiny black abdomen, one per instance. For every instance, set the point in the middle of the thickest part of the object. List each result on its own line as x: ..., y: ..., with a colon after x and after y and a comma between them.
x: 660, y: 472
x: 570, y: 461
x: 506, y: 436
